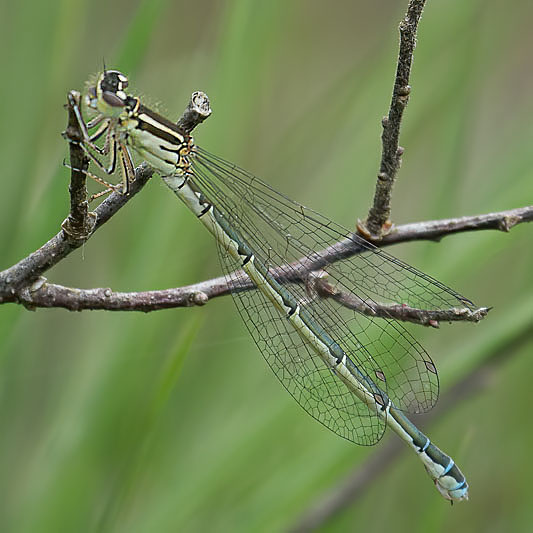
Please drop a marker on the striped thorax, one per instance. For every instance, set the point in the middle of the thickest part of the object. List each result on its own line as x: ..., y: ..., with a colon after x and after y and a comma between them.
x: 156, y: 139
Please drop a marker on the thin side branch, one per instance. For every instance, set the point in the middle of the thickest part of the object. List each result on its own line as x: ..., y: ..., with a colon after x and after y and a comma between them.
x: 43, y: 294
x: 197, y: 110
x: 437, y: 229
x: 378, y: 221
x: 80, y: 222
x: 401, y: 312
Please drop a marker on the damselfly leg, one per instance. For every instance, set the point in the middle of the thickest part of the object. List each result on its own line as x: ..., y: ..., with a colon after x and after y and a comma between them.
x: 112, y: 149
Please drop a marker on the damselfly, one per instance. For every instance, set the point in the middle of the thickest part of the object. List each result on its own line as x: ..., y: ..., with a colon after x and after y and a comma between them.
x: 322, y: 304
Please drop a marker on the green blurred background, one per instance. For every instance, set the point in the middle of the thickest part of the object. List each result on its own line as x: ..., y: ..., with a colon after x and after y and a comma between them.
x: 171, y: 421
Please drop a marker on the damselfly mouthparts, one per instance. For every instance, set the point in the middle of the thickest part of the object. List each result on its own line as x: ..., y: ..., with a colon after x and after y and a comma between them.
x: 323, y: 305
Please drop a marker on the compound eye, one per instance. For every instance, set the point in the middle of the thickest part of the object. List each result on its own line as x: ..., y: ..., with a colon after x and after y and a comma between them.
x: 113, y: 81
x: 112, y: 99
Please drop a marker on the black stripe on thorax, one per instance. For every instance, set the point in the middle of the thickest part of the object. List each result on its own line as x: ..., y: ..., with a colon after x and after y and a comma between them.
x: 174, y: 136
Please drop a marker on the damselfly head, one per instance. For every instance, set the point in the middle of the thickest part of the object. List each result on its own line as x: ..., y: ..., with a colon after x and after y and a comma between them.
x: 108, y: 95
x: 112, y: 81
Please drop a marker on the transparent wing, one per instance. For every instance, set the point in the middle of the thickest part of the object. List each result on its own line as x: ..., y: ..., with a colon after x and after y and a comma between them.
x: 301, y: 371
x: 292, y: 241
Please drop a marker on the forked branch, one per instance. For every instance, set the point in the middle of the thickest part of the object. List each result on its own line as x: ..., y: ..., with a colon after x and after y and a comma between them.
x: 23, y: 282
x: 45, y: 294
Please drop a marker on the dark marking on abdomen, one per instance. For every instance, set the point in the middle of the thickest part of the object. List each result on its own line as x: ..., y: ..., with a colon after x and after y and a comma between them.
x: 204, y: 210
